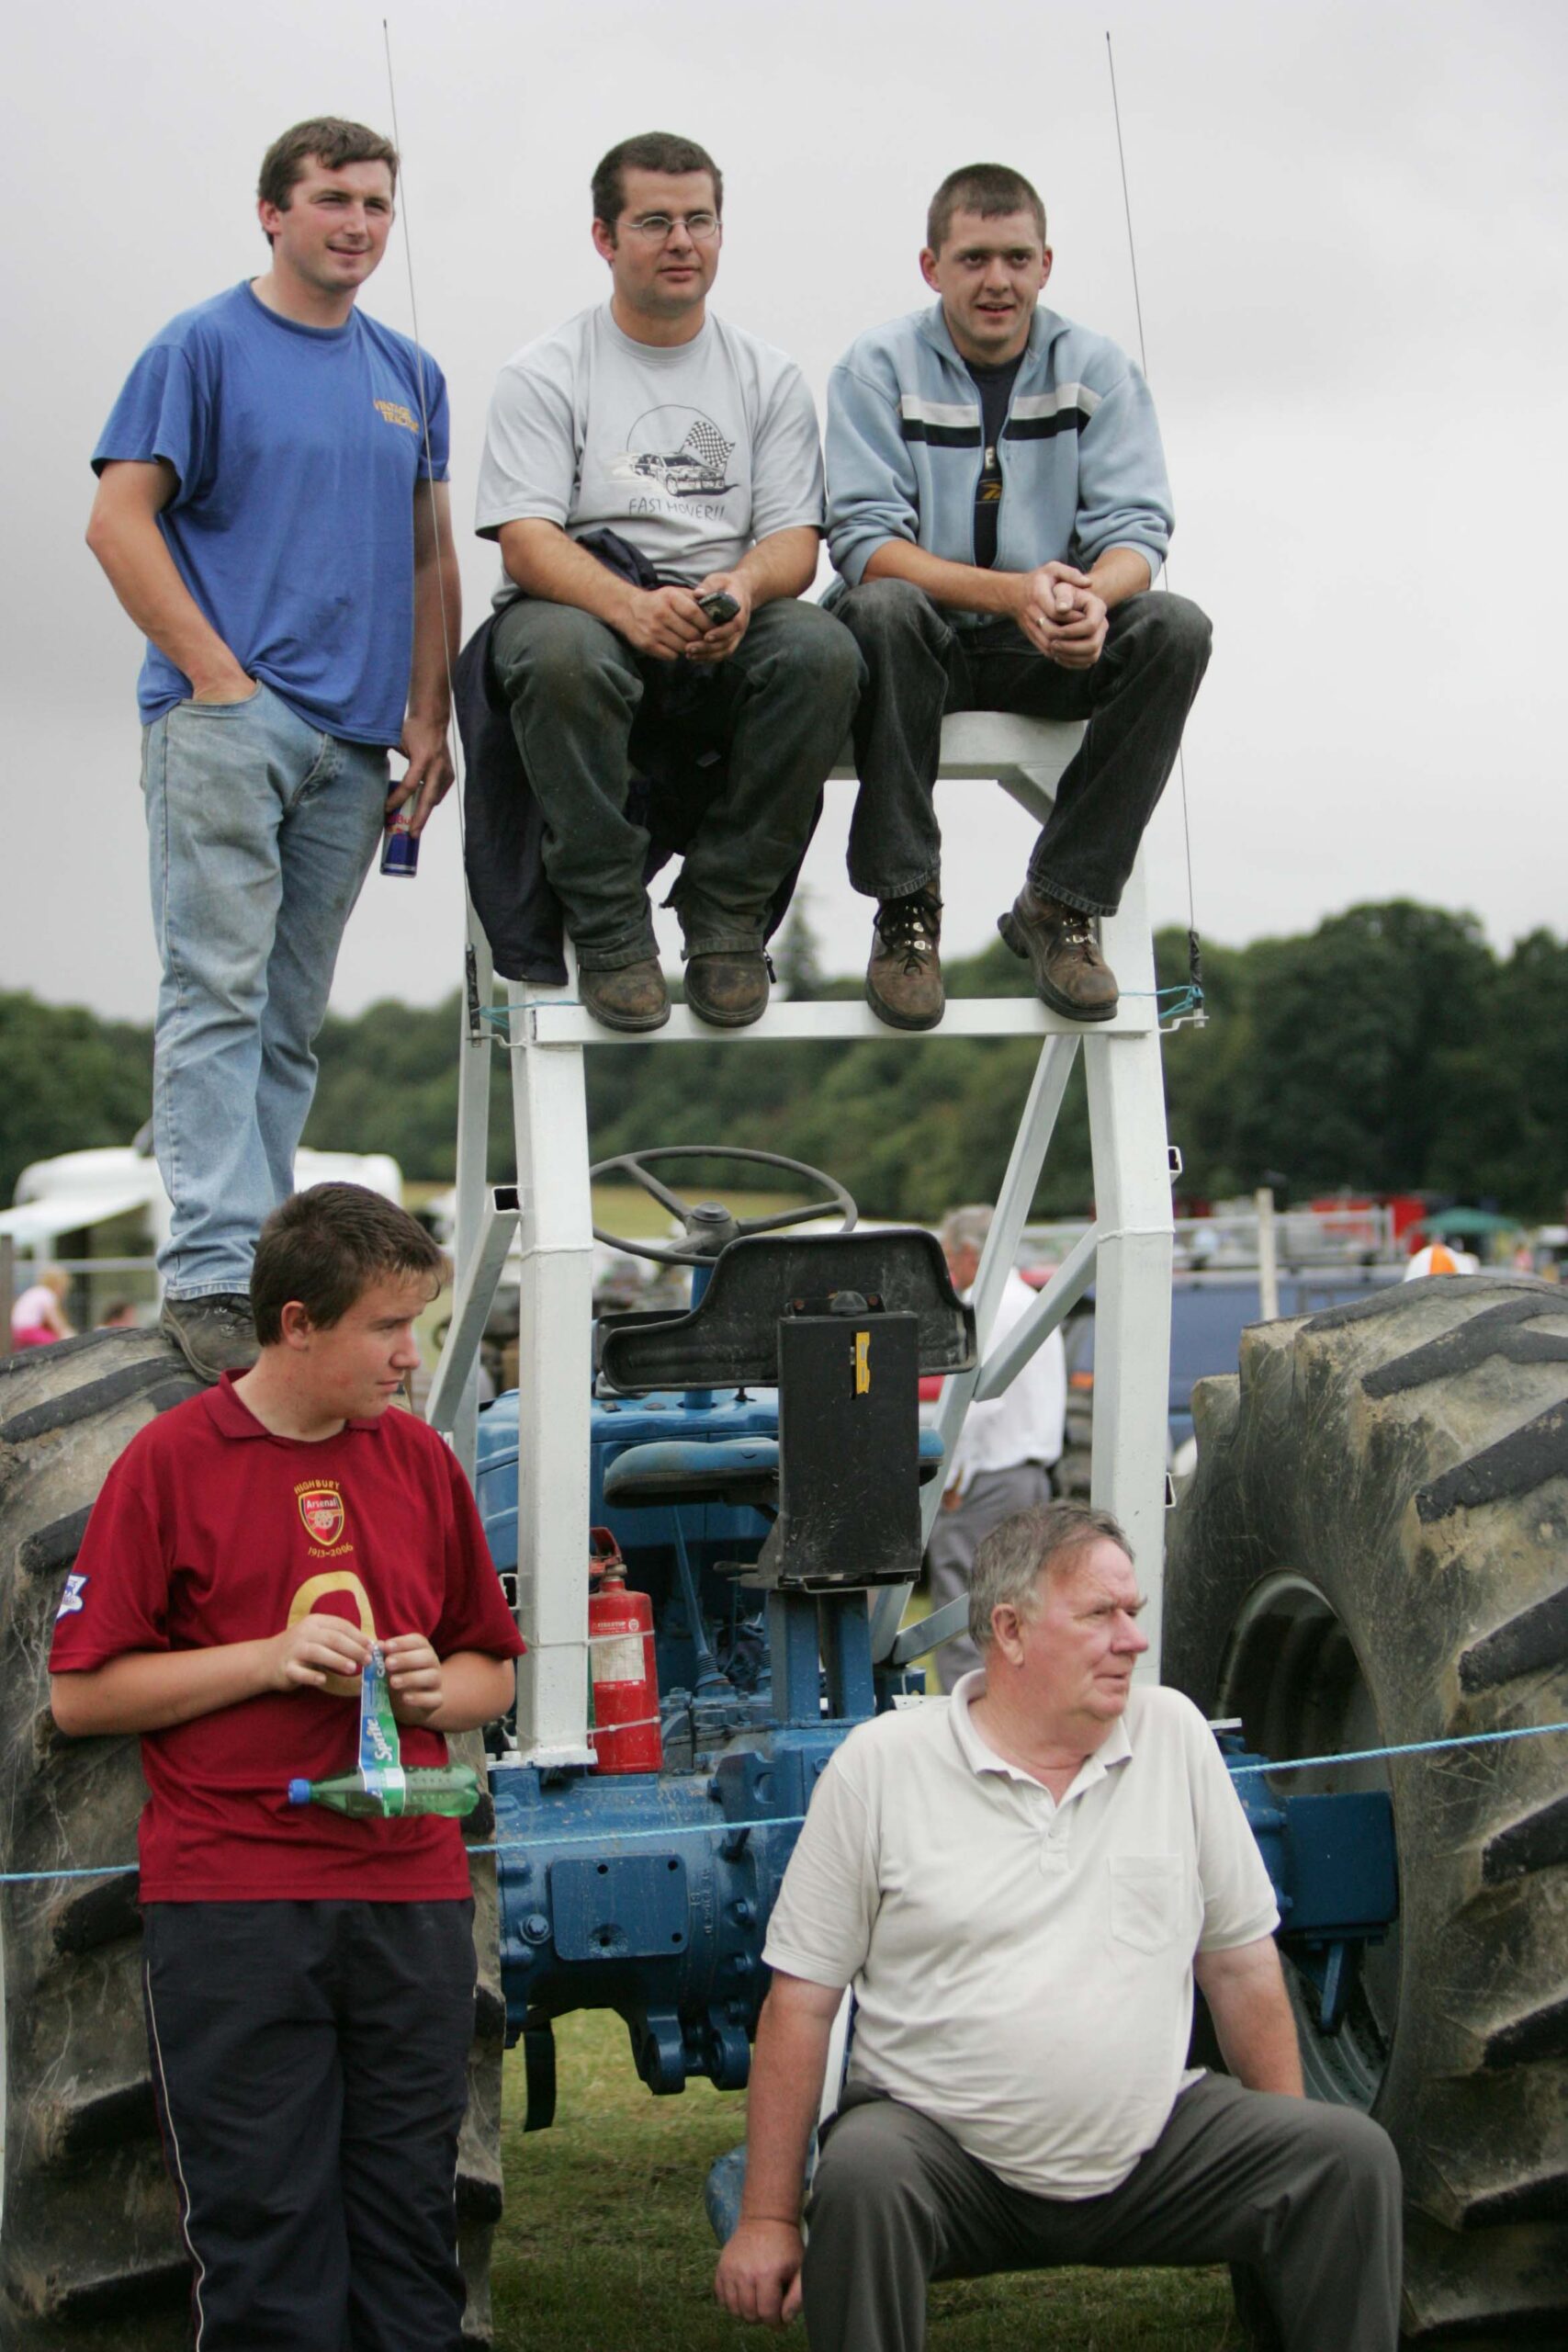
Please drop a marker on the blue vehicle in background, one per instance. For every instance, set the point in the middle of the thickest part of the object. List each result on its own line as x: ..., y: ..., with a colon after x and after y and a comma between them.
x: 1208, y: 1312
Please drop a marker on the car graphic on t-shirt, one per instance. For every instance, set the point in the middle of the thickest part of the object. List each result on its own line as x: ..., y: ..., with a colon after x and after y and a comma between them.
x: 681, y: 449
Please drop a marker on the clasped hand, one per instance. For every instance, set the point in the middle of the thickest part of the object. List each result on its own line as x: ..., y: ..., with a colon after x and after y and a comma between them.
x: 1062, y: 617
x: 307, y: 1652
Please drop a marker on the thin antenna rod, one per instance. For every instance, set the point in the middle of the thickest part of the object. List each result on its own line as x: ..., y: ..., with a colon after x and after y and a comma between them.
x: 454, y: 742
x: 1144, y: 362
x: 1126, y: 207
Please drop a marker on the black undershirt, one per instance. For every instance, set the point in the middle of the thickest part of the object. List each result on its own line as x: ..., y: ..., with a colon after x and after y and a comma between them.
x: 996, y: 390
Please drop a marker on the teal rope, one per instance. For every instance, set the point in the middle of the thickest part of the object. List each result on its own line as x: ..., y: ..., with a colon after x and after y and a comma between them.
x: 1186, y: 998
x: 498, y: 1016
x: 631, y: 1837
x: 793, y: 1820
x: 32, y: 1878
x: 1411, y: 1747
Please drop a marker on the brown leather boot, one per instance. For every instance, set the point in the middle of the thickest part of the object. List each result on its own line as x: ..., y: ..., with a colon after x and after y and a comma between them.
x: 1070, y: 973
x: 728, y: 991
x: 903, y: 979
x: 632, y: 997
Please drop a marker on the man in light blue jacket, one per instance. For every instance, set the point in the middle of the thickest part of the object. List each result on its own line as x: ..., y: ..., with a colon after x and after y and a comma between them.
x: 999, y: 510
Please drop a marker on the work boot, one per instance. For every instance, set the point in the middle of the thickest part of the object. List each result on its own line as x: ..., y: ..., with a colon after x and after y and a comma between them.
x: 631, y: 997
x: 728, y: 991
x: 1070, y: 973
x: 903, y: 979
x: 215, y: 1334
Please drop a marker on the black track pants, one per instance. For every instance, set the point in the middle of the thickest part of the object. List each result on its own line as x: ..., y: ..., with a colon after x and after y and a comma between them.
x: 310, y: 2065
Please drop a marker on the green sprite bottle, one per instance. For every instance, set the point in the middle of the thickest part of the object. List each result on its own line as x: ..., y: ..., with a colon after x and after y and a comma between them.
x: 380, y: 1789
x: 439, y: 1788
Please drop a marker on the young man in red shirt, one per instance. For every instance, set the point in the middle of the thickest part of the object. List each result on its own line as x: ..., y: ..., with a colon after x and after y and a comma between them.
x: 309, y: 1978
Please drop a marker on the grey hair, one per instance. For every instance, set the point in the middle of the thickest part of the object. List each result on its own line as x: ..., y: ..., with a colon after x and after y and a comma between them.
x: 966, y: 1229
x: 1015, y: 1558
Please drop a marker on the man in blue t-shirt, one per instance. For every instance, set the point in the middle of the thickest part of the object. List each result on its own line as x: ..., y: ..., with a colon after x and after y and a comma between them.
x: 272, y: 512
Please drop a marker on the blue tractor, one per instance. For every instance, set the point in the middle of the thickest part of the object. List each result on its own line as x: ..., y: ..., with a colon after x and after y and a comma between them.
x: 757, y: 1461
x: 1372, y: 1554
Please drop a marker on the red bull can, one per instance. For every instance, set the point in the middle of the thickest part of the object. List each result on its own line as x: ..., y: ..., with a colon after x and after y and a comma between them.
x: 400, y: 849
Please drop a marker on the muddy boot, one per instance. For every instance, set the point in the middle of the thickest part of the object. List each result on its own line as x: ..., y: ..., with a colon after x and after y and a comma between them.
x: 1070, y: 973
x: 903, y: 980
x: 728, y: 991
x: 215, y: 1333
x: 631, y: 997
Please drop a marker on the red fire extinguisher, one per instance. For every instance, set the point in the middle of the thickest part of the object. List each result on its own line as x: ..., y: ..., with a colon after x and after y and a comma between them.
x: 626, y: 1734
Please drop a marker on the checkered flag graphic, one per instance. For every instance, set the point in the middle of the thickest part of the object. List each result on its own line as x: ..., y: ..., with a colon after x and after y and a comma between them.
x: 705, y: 442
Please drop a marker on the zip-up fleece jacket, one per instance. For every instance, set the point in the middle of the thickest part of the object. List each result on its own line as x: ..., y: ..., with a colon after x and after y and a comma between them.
x: 1081, y: 463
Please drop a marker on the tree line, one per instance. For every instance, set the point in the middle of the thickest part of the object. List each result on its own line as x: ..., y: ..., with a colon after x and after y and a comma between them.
x: 1388, y: 1050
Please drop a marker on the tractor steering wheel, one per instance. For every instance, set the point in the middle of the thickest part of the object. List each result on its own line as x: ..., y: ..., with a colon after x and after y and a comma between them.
x: 709, y: 1226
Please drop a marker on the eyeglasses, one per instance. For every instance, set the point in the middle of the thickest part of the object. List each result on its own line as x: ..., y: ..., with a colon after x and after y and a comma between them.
x: 657, y: 228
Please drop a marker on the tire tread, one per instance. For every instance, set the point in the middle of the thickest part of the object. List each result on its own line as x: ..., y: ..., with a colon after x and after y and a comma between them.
x: 1407, y: 1454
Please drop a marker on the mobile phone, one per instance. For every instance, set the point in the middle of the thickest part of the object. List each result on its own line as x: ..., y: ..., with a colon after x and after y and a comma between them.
x: 720, y: 606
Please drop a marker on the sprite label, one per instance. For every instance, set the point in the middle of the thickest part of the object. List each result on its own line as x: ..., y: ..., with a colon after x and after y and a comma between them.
x: 380, y: 1750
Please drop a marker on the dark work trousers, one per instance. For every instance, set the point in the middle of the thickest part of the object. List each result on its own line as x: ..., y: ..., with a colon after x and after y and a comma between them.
x: 957, y: 1534
x: 310, y: 2064
x: 780, y: 707
x: 920, y: 666
x: 1304, y: 2199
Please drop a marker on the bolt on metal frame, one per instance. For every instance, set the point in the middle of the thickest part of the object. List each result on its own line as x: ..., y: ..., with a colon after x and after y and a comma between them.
x: 1126, y: 1253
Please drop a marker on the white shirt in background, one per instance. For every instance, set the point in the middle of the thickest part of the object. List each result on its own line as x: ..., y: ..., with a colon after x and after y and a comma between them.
x: 1026, y: 1423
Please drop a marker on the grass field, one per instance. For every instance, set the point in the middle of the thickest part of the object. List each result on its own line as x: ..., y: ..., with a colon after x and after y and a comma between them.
x: 604, y: 2246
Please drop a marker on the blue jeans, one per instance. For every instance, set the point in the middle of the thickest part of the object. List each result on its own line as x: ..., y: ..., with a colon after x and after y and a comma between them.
x: 260, y: 830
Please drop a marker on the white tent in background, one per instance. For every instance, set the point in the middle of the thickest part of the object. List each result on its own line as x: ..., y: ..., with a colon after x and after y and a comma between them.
x: 87, y: 1188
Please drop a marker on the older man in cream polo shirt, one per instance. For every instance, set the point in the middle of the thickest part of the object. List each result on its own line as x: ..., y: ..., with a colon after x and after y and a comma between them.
x: 1021, y: 1884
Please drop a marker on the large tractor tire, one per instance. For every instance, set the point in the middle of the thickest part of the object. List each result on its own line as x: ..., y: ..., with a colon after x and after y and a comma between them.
x: 91, y: 2258
x: 1374, y: 1552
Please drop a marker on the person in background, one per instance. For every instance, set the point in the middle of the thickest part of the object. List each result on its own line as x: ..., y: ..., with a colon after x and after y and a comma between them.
x: 1003, y: 1461
x: 38, y: 1318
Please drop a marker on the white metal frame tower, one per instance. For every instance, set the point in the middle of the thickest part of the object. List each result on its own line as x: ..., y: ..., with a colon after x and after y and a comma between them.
x: 1126, y: 1253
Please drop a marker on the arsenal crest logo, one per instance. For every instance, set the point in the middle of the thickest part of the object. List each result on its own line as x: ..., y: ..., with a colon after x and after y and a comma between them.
x: 321, y: 1508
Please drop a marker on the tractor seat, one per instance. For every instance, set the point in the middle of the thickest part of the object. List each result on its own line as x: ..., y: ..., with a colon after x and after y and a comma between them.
x: 730, y: 1338
x: 741, y: 1471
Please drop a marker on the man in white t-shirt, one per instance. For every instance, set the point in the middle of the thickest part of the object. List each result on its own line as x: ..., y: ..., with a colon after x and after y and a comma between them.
x: 1021, y: 1884
x: 1003, y: 1461
x: 695, y: 445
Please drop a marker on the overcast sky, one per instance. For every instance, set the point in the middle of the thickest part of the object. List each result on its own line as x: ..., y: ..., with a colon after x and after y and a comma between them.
x: 1350, y: 225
